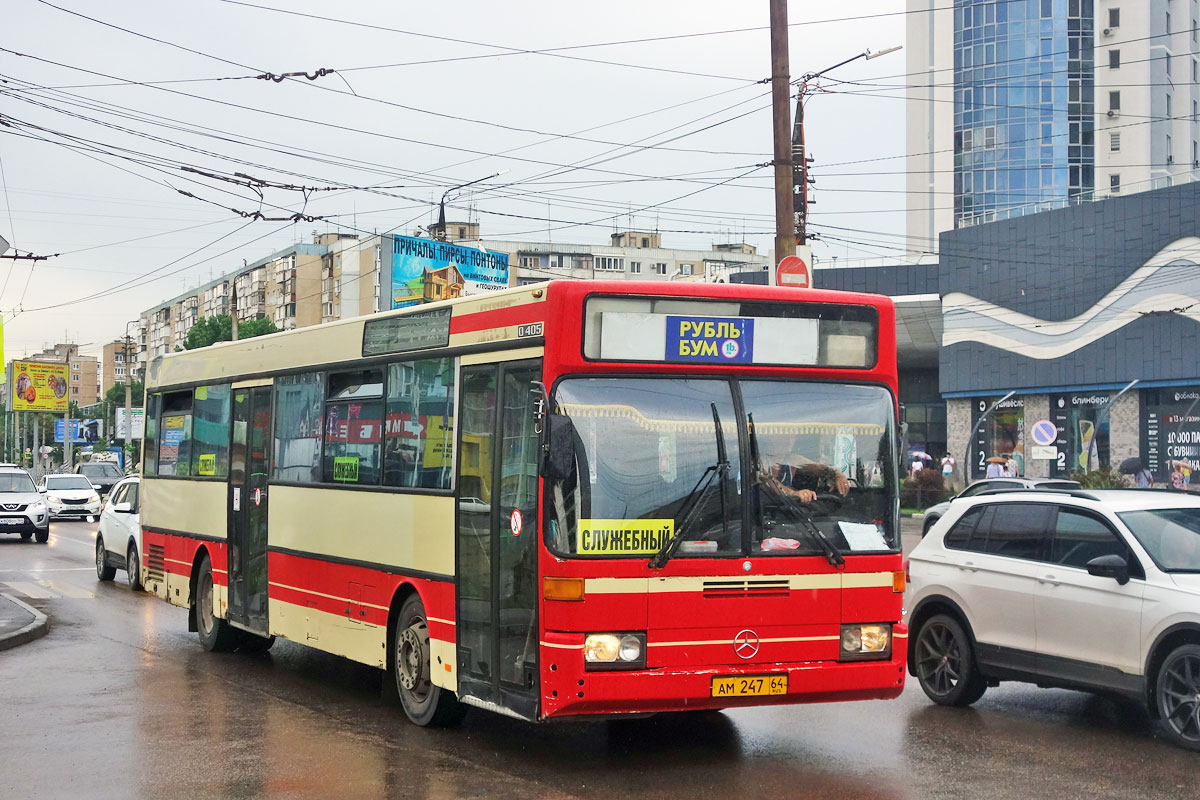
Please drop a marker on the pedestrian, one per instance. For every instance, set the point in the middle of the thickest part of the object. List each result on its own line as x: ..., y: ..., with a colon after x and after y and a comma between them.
x: 995, y: 469
x: 1144, y: 478
x: 1011, y: 468
x: 948, y: 464
x: 917, y: 466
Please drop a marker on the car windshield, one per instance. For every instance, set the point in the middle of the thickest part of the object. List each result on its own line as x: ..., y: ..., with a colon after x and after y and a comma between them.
x: 100, y: 470
x: 1170, y: 535
x: 63, y: 482
x: 647, y: 466
x: 16, y: 482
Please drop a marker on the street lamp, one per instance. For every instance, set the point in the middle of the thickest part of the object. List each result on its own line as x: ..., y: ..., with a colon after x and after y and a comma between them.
x: 440, y: 228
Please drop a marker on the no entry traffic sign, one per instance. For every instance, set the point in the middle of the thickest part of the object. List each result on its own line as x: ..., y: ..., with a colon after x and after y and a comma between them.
x: 794, y: 271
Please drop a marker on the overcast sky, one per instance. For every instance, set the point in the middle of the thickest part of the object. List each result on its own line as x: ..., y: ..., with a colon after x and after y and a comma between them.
x: 97, y: 159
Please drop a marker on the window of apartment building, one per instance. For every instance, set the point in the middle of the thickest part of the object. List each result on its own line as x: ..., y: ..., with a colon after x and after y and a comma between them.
x: 1114, y: 18
x: 1114, y: 142
x: 1170, y: 152
x: 1168, y: 106
x: 967, y: 137
x: 462, y: 233
x: 1168, y: 29
x: 1167, y: 63
x: 989, y: 136
x: 687, y: 269
x: 1114, y: 59
x: 645, y: 241
x: 1047, y: 9
x: 659, y: 268
x: 531, y: 261
x: 1114, y: 101
x: 75, y: 366
x: 1195, y: 71
x: 635, y: 268
x: 1195, y: 34
x: 1195, y: 154
x: 609, y: 264
x: 1114, y: 184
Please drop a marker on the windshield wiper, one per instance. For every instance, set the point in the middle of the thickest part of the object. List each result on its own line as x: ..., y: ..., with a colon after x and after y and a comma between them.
x: 714, y: 475
x: 761, y: 478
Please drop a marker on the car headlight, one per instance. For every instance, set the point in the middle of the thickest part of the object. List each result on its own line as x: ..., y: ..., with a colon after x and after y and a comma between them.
x: 866, y: 641
x: 53, y: 498
x: 614, y: 650
x: 95, y: 498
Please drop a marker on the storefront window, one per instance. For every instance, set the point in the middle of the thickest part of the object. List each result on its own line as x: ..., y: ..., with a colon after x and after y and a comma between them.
x: 999, y: 444
x: 1083, y: 432
x: 1170, y: 435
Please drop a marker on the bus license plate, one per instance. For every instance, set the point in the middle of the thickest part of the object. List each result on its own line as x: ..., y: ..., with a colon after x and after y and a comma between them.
x: 749, y: 685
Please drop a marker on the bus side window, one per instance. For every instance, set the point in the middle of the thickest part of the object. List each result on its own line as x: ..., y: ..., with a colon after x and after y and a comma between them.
x: 419, y: 425
x: 298, y: 406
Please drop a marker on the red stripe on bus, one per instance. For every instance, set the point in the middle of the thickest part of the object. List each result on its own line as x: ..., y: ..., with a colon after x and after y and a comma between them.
x: 498, y: 318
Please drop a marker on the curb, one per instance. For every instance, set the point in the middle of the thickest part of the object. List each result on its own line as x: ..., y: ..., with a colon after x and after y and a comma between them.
x: 36, y: 629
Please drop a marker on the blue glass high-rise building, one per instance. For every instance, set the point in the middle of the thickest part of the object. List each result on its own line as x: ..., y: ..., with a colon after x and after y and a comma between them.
x: 1024, y: 106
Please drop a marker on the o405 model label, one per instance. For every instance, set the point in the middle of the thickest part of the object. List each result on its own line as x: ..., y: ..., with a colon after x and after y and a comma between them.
x: 532, y: 329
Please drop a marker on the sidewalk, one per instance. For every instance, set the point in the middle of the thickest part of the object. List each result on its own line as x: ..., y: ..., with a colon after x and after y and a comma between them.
x: 20, y: 623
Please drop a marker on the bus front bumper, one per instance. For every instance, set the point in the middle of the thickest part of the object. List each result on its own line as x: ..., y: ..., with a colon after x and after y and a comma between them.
x: 569, y: 689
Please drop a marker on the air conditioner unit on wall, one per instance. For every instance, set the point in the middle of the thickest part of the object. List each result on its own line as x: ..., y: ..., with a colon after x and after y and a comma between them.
x: 1108, y: 31
x: 1112, y: 112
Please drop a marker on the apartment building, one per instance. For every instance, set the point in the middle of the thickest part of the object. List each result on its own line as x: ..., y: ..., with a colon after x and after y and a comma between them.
x: 118, y: 363
x: 1022, y: 106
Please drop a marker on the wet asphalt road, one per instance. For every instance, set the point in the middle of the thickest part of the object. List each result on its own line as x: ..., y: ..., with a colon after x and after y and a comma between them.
x: 120, y: 701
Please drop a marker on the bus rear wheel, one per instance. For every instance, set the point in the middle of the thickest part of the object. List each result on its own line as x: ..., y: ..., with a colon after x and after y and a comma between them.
x: 424, y: 703
x: 215, y: 633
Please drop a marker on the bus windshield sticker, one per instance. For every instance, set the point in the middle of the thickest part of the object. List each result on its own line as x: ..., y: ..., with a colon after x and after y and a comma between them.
x: 421, y: 330
x: 863, y: 535
x: 345, y: 469
x: 623, y: 537
x: 710, y: 340
x: 206, y: 464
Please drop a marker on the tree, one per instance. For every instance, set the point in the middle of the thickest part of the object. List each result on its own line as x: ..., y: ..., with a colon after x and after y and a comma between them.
x: 219, y: 328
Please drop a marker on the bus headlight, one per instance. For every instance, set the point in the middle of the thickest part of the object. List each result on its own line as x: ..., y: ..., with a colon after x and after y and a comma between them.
x: 614, y: 650
x: 866, y: 641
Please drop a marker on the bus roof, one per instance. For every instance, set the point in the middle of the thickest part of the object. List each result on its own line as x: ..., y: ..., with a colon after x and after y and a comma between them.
x: 507, y: 318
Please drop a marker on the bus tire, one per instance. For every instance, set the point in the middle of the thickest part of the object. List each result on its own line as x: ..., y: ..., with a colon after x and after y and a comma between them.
x: 215, y: 633
x: 253, y: 644
x: 424, y: 703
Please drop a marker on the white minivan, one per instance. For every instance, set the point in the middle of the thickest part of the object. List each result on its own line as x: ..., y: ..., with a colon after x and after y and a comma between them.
x: 1091, y: 590
x: 119, y: 538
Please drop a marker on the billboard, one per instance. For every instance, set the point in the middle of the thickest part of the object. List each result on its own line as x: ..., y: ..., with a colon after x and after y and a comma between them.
x: 424, y: 270
x: 83, y: 431
x: 139, y: 418
x: 38, y: 387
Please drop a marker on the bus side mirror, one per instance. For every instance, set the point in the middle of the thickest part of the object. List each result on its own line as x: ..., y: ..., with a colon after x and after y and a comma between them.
x: 559, y: 448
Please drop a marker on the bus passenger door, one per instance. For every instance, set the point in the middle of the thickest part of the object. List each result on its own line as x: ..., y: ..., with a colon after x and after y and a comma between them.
x: 497, y: 536
x: 248, y: 508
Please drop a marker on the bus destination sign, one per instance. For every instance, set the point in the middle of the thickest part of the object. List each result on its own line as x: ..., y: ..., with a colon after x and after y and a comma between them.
x: 710, y: 340
x: 421, y: 330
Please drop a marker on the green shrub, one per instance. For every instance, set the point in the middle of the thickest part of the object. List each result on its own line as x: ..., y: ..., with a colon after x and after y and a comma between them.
x: 923, y: 490
x: 1104, y: 478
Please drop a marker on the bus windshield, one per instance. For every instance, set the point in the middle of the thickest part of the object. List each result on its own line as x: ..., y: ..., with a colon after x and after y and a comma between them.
x: 805, y: 460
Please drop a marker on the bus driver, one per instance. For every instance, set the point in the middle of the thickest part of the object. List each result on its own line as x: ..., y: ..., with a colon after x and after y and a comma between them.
x: 795, y: 472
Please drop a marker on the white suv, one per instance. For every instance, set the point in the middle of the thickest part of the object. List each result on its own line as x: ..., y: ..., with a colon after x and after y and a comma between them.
x: 1096, y: 590
x: 934, y: 513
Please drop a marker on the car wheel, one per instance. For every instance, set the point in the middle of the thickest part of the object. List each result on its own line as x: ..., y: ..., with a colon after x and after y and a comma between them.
x: 945, y: 663
x: 929, y: 523
x: 1177, y: 693
x: 424, y: 703
x: 104, y: 572
x: 133, y: 569
x: 216, y: 634
x: 42, y: 536
x: 26, y: 535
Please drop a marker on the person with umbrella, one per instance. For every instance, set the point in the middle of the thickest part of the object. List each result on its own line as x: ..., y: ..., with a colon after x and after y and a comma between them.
x: 1143, y: 477
x: 995, y: 467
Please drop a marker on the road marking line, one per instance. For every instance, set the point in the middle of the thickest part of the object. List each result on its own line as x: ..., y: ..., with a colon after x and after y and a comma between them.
x: 71, y: 591
x: 33, y: 590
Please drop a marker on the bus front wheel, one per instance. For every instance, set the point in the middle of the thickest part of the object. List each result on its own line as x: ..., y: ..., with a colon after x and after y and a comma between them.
x: 423, y: 702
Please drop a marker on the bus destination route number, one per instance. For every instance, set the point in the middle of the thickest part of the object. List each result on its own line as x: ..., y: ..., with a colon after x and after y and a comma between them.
x: 710, y: 340
x: 749, y: 685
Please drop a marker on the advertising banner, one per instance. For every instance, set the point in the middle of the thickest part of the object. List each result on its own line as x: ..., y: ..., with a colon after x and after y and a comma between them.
x: 1170, y: 435
x: 83, y: 431
x: 1081, y: 421
x: 38, y: 387
x: 424, y: 270
x: 139, y: 422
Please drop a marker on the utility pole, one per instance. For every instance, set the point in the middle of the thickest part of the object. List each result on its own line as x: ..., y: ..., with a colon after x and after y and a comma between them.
x: 128, y: 399
x: 234, y: 316
x: 67, y: 419
x: 785, y: 237
x: 800, y: 158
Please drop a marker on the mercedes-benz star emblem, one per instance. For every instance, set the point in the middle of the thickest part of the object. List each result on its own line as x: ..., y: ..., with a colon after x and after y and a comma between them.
x: 745, y: 644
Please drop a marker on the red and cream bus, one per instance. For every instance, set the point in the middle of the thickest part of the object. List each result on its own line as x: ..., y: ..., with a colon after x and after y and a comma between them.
x: 571, y: 498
